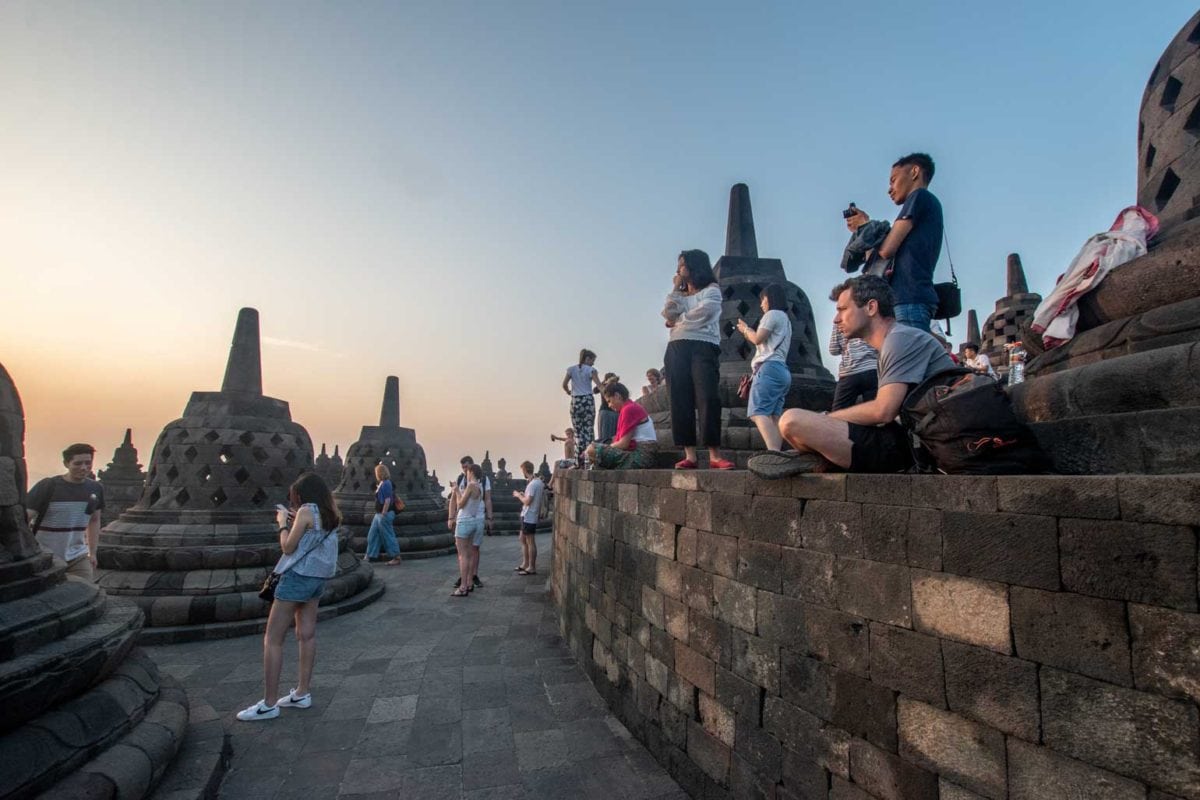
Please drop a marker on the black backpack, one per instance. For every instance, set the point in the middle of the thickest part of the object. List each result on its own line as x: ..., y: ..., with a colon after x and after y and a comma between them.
x: 966, y: 425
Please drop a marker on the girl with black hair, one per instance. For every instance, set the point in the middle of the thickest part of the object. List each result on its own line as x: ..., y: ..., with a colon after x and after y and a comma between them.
x: 772, y: 378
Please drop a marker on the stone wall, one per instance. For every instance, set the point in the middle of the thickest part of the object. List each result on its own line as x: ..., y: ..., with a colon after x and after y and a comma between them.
x: 892, y: 636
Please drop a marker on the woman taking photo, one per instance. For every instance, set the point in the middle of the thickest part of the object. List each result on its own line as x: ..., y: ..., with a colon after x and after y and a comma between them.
x: 578, y: 383
x: 382, y: 536
x: 308, y: 538
x: 772, y: 378
x: 692, y: 311
x: 468, y: 526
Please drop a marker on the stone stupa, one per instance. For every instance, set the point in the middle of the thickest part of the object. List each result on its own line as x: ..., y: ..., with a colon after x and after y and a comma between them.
x: 507, y: 509
x: 421, y: 526
x: 193, y: 551
x: 329, y: 467
x: 1013, y: 312
x: 79, y: 698
x: 123, y: 479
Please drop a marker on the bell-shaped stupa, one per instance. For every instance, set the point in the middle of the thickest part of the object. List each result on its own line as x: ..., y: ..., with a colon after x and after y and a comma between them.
x: 507, y: 509
x: 193, y: 551
x: 123, y: 479
x: 421, y: 526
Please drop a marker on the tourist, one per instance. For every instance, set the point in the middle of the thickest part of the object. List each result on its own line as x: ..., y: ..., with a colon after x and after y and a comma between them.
x: 606, y: 418
x: 531, y: 510
x: 482, y: 512
x: 570, y: 452
x: 65, y: 512
x: 381, y: 534
x: 308, y: 538
x: 578, y: 384
x: 935, y: 330
x: 636, y: 442
x: 977, y: 361
x: 772, y: 379
x: 654, y: 379
x: 857, y: 369
x: 914, y: 242
x: 864, y: 437
x: 692, y: 311
x: 467, y: 500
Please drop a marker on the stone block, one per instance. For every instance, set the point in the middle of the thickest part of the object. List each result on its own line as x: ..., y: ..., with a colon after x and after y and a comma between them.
x: 699, y: 511
x: 686, y: 547
x: 775, y: 520
x: 672, y: 506
x: 1013, y: 548
x: 924, y: 539
x: 879, y: 489
x: 1141, y: 562
x: 732, y: 482
x: 1165, y: 499
x: 805, y: 487
x: 659, y: 538
x: 955, y: 748
x: 652, y: 608
x: 716, y: 719
x: 808, y: 575
x: 803, y: 779
x: 668, y: 577
x: 760, y: 749
x: 756, y: 660
x: 807, y: 737
x: 874, y: 590
x: 1076, y: 633
x: 708, y: 753
x: 885, y: 531
x: 676, y: 614
x: 851, y: 703
x: 781, y: 619
x: 954, y: 492
x: 627, y: 498
x: 734, y: 603
x: 1037, y: 772
x: 10, y: 495
x: 884, y: 775
x: 717, y: 554
x: 698, y: 590
x: 694, y: 668
x: 1125, y: 731
x: 739, y: 696
x: 841, y: 789
x: 711, y: 638
x: 997, y: 690
x: 1083, y: 496
x: 832, y: 527
x: 658, y: 674
x: 952, y: 791
x: 962, y: 609
x: 730, y: 513
x: 759, y: 564
x: 910, y: 663
x: 1166, y: 651
x: 836, y: 637
x: 747, y: 783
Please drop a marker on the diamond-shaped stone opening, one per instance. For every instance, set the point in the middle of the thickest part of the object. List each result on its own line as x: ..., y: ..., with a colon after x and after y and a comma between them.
x: 259, y: 455
x: 182, y: 497
x: 356, y: 485
x: 795, y: 311
x: 755, y: 290
x: 241, y: 475
x: 1192, y: 124
x: 172, y: 473
x: 1170, y: 182
x: 728, y: 292
x: 190, y: 454
x: 289, y: 458
x: 1194, y: 36
x: 226, y: 454
x: 211, y: 436
x: 744, y: 350
x: 205, y: 473
x: 743, y: 307
x: 155, y: 496
x: 276, y: 439
x: 180, y: 435
x: 246, y: 438
x: 153, y: 474
x: 259, y: 497
x: 218, y: 497
x: 166, y: 452
x: 276, y: 477
x: 1171, y: 90
x: 1151, y: 153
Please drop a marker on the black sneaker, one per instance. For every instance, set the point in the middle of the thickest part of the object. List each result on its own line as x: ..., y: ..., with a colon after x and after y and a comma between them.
x: 773, y: 464
x: 478, y: 584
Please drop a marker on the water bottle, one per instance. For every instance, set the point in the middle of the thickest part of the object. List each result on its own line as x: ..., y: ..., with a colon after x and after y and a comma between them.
x: 1016, y: 364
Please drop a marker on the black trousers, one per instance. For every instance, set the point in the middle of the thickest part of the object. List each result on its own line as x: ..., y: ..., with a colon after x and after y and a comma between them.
x: 849, y: 387
x: 692, y: 379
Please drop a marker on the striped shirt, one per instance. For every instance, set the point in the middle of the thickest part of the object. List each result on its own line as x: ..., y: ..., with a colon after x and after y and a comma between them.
x: 857, y: 355
x: 62, y: 530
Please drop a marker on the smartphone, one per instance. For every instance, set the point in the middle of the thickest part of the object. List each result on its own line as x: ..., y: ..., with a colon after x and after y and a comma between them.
x: 850, y: 212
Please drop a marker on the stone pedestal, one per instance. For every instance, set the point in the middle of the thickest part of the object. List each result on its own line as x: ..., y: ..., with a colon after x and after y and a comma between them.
x: 123, y: 480
x: 194, y: 549
x: 86, y: 714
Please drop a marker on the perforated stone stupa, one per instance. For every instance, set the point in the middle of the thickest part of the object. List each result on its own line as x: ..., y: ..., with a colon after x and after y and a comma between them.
x: 329, y: 467
x: 123, y: 479
x: 79, y: 699
x: 421, y: 526
x: 1012, y: 314
x: 192, y: 552
x: 506, y: 508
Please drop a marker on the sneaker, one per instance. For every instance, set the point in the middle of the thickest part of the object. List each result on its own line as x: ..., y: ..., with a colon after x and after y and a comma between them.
x: 293, y: 700
x: 476, y: 583
x: 774, y: 465
x: 259, y: 710
x: 720, y: 463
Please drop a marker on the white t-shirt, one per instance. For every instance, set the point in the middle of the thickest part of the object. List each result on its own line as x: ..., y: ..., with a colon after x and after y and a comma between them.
x: 474, y: 508
x: 536, y: 490
x: 644, y: 432
x: 779, y: 338
x: 581, y: 379
x: 981, y: 362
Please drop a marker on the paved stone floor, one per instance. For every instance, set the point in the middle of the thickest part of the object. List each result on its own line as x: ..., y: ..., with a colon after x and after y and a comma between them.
x: 421, y: 695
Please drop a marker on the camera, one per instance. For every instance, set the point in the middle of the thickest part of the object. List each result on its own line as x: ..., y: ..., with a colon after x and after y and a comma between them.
x: 850, y: 212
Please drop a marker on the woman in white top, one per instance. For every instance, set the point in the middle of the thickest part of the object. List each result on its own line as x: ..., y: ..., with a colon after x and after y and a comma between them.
x: 468, y: 526
x: 692, y: 311
x: 581, y: 382
x: 309, y: 540
x: 772, y: 378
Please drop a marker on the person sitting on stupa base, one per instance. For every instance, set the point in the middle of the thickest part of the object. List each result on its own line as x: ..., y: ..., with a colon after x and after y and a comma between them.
x: 865, y: 437
x: 636, y: 444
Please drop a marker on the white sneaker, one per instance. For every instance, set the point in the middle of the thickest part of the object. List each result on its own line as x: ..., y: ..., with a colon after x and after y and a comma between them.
x: 259, y: 710
x: 293, y: 700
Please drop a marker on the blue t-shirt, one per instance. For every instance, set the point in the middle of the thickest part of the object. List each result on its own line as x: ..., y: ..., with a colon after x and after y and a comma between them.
x: 912, y: 268
x: 383, y: 494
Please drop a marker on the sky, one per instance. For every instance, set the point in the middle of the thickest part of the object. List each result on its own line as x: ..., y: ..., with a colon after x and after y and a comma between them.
x: 464, y: 194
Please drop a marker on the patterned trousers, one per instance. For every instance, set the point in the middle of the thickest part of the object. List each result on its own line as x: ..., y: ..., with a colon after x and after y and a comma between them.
x: 583, y: 420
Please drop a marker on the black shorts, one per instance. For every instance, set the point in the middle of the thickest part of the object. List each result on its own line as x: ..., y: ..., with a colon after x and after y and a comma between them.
x: 529, y: 528
x: 882, y: 448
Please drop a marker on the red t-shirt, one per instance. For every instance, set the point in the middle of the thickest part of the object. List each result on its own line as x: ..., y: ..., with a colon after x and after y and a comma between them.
x: 632, y: 414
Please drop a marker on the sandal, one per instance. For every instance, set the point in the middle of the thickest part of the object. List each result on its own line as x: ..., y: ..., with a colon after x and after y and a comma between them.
x: 519, y: 569
x: 527, y: 572
x: 395, y: 562
x: 459, y: 593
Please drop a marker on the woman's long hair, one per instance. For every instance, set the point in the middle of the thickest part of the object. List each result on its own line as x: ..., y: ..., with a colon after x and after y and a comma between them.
x: 584, y: 355
x: 311, y: 488
x: 776, y: 297
x: 700, y: 271
x: 382, y: 473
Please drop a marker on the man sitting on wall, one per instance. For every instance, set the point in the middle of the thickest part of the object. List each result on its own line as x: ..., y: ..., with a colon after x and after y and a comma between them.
x: 864, y: 437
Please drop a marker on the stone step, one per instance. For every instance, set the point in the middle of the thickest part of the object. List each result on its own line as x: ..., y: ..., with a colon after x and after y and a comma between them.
x: 155, y: 558
x: 30, y: 622
x: 150, y: 584
x: 30, y: 577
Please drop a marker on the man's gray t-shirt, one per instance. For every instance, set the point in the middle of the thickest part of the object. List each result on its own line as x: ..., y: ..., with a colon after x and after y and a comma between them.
x: 910, y: 356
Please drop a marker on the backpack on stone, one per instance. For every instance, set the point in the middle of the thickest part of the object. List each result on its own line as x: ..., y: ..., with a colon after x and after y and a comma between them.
x: 966, y: 425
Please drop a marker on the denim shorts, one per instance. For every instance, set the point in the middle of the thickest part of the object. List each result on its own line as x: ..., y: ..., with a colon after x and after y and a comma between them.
x: 296, y: 588
x: 769, y: 389
x: 470, y: 529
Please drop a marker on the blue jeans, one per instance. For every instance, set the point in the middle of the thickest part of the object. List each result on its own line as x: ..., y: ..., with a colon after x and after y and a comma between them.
x: 769, y: 389
x: 382, y: 536
x: 915, y: 315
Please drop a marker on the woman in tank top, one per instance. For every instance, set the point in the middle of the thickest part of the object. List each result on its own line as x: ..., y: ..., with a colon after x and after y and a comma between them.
x: 772, y: 379
x: 468, y: 526
x: 582, y: 382
x: 309, y: 540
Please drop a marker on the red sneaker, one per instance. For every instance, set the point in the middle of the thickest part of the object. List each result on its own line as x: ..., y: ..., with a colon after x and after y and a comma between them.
x: 720, y: 463
x: 687, y: 463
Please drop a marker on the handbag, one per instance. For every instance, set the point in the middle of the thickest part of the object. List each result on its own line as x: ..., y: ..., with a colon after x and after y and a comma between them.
x: 271, y: 582
x: 949, y: 304
x: 743, y: 390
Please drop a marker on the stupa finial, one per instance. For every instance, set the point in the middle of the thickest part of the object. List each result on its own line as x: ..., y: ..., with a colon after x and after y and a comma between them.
x: 243, y: 372
x: 739, y: 233
x: 128, y: 441
x: 389, y: 414
x: 973, y: 326
x: 1016, y: 276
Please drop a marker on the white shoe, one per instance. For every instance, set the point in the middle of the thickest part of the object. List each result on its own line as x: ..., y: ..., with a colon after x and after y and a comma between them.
x: 259, y: 710
x: 292, y: 700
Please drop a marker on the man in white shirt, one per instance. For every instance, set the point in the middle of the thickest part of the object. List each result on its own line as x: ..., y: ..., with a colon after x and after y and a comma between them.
x: 977, y: 361
x: 531, y: 508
